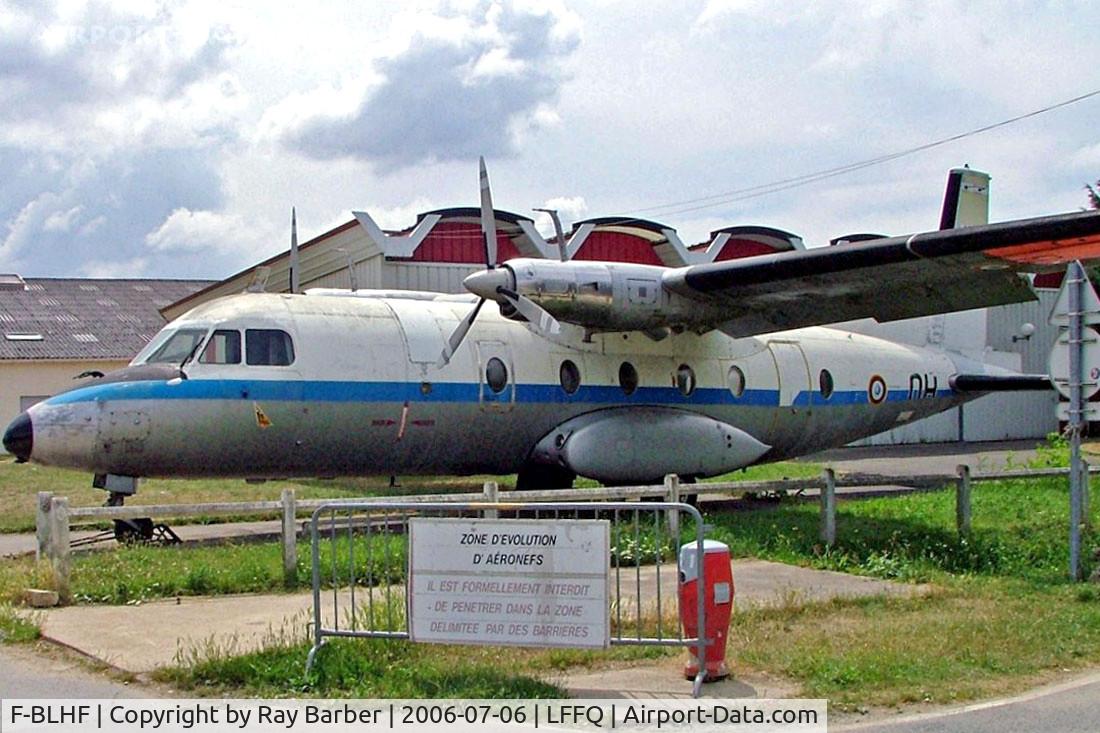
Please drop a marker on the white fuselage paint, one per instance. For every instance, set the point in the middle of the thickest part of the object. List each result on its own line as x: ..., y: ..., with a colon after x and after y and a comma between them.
x: 364, y: 396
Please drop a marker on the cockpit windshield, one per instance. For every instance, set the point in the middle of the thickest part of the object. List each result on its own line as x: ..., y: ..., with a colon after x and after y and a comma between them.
x: 180, y: 346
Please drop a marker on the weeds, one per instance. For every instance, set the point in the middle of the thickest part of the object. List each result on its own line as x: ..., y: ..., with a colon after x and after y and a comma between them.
x: 17, y: 626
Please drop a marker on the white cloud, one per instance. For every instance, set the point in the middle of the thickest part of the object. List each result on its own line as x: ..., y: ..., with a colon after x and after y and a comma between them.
x: 186, y: 230
x: 133, y: 267
x: 62, y: 221
x: 454, y: 96
x: 570, y: 209
x: 198, y: 124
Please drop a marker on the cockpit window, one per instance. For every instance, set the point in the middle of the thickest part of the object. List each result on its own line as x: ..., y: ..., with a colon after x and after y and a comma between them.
x: 268, y: 347
x: 180, y: 346
x: 224, y: 347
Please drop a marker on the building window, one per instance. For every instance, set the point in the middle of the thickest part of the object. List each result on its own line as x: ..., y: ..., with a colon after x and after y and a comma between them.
x: 628, y: 378
x: 268, y: 347
x: 224, y: 347
x: 736, y: 379
x: 825, y: 382
x: 26, y: 402
x: 496, y: 375
x: 570, y: 377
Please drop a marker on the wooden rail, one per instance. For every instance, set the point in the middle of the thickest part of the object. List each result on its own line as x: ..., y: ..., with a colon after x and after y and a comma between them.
x: 55, y: 517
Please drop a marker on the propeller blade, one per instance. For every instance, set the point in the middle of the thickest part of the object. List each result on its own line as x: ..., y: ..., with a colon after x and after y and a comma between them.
x: 458, y: 335
x: 488, y: 218
x: 538, y: 317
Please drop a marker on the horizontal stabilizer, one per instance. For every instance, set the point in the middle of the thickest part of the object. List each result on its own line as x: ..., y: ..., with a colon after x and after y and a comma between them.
x: 1000, y: 382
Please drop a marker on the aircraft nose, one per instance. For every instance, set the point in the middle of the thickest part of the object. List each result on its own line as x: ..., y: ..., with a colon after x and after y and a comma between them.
x: 19, y: 438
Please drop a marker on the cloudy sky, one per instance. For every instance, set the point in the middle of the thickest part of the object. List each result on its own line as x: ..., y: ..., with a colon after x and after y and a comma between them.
x: 143, y: 139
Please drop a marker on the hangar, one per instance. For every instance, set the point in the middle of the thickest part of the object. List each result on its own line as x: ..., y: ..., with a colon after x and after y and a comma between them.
x: 56, y: 329
x: 444, y: 246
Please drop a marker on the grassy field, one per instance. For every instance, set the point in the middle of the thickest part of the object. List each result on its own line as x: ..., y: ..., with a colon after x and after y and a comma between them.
x: 1000, y: 614
x: 19, y: 483
x: 379, y: 668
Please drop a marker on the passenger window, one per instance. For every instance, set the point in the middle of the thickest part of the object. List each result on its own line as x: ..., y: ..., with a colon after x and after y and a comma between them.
x: 737, y: 381
x: 268, y: 347
x: 570, y: 377
x: 224, y: 347
x: 825, y: 382
x: 496, y: 375
x: 685, y: 379
x: 628, y: 378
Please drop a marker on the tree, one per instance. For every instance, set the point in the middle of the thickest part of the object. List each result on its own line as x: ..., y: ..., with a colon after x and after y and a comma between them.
x: 1094, y: 195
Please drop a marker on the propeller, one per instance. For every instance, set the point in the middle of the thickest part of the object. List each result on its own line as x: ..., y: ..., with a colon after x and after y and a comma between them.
x: 494, y: 283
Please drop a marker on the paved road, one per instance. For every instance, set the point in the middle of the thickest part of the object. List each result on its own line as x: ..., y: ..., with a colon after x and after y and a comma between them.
x: 31, y: 674
x: 1072, y: 707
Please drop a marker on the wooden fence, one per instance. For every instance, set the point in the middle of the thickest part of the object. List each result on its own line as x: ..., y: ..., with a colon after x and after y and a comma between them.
x: 55, y: 516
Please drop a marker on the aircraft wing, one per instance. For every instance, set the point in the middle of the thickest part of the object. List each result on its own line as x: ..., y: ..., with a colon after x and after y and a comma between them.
x: 889, y: 279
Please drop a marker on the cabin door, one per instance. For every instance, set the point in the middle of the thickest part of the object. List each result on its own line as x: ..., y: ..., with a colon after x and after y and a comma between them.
x: 794, y: 374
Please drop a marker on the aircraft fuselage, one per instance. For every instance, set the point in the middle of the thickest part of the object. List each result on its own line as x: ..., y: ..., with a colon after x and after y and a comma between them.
x: 355, y: 390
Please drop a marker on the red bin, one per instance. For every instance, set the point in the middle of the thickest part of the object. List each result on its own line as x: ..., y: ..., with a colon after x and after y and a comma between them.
x: 717, y: 579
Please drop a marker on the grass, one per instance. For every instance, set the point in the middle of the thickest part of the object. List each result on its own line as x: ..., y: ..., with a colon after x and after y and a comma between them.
x: 971, y: 639
x: 19, y: 483
x: 16, y: 626
x: 1001, y: 613
x: 379, y: 668
x: 141, y: 573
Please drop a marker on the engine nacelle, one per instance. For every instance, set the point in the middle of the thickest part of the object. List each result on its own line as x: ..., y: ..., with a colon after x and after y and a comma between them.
x: 643, y: 444
x: 603, y: 296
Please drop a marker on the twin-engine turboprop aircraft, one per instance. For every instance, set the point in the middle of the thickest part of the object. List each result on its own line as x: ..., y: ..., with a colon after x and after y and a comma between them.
x: 619, y: 372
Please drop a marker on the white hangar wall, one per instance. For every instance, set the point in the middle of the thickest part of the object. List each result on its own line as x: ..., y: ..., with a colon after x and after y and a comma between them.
x: 985, y: 334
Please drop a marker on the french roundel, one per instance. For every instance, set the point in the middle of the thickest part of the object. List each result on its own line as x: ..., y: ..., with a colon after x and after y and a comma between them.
x: 876, y: 390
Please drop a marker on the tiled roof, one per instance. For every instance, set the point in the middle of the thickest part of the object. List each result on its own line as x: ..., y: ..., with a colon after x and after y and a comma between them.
x: 59, y: 318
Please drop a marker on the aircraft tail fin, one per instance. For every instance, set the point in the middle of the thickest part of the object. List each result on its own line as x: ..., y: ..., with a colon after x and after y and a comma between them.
x: 966, y: 200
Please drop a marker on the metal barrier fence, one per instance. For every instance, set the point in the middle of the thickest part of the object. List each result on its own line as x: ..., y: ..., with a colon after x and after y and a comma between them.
x: 361, y: 584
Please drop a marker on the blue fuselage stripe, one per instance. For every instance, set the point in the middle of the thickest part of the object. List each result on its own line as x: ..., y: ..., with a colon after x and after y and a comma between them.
x: 447, y: 392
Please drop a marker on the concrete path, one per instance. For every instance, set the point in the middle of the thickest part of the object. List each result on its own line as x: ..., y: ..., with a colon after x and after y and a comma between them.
x: 28, y: 673
x: 927, y: 458
x: 143, y: 637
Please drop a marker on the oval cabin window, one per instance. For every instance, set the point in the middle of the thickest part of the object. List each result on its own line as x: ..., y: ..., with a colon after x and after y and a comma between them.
x: 496, y: 375
x: 737, y: 381
x: 570, y: 377
x: 825, y: 381
x: 685, y: 379
x: 628, y: 378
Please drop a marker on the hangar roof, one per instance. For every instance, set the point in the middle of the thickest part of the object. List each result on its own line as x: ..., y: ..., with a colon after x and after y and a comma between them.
x: 76, y: 318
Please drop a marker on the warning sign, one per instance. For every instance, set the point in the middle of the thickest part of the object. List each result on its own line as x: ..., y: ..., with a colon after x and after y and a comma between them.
x: 517, y: 582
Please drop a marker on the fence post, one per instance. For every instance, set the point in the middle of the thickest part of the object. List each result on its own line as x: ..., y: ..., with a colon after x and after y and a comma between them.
x: 59, y: 548
x: 828, y: 508
x: 42, y: 524
x: 492, y: 495
x: 1086, y: 515
x: 962, y: 500
x: 672, y: 495
x: 290, y: 538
